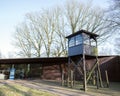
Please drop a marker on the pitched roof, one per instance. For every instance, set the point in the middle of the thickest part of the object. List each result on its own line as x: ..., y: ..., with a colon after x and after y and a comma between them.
x: 83, y: 31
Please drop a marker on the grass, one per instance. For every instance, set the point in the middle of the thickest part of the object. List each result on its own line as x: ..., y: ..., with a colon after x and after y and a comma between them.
x: 18, y: 90
x: 113, y: 90
x: 13, y: 89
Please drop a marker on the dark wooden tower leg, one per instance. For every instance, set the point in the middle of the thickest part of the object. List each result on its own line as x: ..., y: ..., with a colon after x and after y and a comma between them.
x: 84, y: 73
x: 63, y: 78
x: 98, y: 68
x: 71, y: 73
x: 68, y: 77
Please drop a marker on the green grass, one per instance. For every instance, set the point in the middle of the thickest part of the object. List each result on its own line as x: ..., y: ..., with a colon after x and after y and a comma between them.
x: 18, y: 90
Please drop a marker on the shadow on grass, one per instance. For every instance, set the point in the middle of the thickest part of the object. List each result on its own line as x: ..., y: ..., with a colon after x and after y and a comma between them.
x: 113, y: 90
x: 48, y: 82
x: 56, y: 88
x: 18, y: 90
x: 115, y: 86
x: 1, y: 93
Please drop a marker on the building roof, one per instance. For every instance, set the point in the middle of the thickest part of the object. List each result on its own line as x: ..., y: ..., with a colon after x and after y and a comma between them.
x: 45, y: 60
x: 83, y: 31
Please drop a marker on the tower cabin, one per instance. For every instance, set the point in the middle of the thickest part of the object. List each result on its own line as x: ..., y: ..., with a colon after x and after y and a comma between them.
x: 82, y: 42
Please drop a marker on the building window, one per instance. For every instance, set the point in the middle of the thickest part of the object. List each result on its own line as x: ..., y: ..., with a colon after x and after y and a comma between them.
x: 72, y: 42
x: 78, y: 39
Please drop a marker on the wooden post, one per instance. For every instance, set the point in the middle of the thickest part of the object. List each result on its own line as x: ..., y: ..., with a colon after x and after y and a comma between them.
x: 94, y: 81
x: 107, y: 80
x: 68, y: 78
x: 98, y: 68
x: 84, y: 71
x: 92, y: 70
x: 62, y: 77
x: 74, y: 78
x: 97, y: 77
x: 71, y: 78
x: 99, y: 74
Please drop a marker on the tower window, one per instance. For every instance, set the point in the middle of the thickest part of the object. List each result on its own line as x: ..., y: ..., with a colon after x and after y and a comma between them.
x: 78, y: 39
x: 72, y: 42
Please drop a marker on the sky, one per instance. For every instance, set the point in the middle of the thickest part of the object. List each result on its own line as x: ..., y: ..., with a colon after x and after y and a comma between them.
x: 12, y: 12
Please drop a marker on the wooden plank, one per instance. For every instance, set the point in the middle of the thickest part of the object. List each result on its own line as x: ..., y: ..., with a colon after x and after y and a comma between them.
x: 63, y: 77
x: 71, y: 78
x: 107, y: 80
x: 99, y: 74
x: 97, y: 79
x: 92, y: 70
x: 84, y: 71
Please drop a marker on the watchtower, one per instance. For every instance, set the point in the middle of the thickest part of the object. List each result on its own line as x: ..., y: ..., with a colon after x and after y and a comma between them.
x: 81, y: 45
x: 82, y: 42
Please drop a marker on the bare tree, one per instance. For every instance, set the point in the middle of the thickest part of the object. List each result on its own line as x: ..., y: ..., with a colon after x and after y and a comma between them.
x: 53, y: 32
x: 48, y: 29
x: 83, y: 16
x: 114, y: 19
x: 21, y: 42
x: 117, y: 46
x: 114, y: 14
x: 35, y: 30
x: 44, y: 32
x: 35, y: 33
x: 27, y: 41
x: 60, y: 46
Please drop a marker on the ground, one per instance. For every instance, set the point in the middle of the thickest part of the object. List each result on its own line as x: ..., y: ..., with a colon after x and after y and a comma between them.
x: 54, y: 88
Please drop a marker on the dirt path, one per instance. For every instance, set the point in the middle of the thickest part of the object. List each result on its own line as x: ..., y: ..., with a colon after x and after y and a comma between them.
x: 47, y: 86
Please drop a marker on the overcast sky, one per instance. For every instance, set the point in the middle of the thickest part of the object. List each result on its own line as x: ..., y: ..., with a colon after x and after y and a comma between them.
x: 12, y: 12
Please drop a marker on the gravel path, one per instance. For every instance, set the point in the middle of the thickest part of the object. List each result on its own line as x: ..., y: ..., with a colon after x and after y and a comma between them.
x: 49, y: 87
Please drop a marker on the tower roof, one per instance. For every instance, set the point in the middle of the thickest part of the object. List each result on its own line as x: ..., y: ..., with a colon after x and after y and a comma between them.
x: 83, y: 31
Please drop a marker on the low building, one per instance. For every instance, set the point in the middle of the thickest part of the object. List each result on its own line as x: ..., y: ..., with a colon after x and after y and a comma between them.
x: 51, y: 68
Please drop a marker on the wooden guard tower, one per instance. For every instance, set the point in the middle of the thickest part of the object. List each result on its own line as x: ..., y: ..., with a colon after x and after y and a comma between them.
x: 82, y: 45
